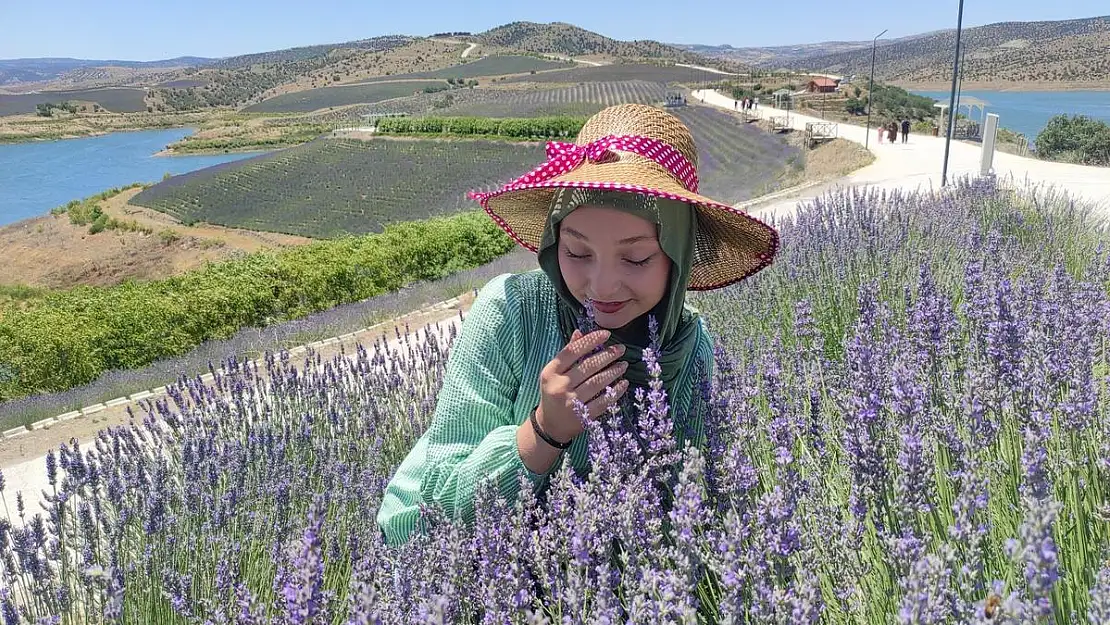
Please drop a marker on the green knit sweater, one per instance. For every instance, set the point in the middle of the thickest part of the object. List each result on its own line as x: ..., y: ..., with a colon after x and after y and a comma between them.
x: 491, y: 387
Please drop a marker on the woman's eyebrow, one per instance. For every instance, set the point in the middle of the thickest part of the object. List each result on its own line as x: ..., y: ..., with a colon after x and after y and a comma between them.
x: 626, y: 241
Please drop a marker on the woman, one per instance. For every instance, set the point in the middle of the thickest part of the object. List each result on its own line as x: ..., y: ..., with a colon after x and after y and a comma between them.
x: 619, y: 228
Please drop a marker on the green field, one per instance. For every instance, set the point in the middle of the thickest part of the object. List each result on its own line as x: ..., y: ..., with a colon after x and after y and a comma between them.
x: 487, y: 66
x: 334, y: 186
x: 316, y: 99
x: 331, y: 187
x: 115, y: 100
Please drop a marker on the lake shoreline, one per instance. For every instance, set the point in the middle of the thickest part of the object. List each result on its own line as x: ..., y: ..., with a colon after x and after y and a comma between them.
x: 1010, y: 87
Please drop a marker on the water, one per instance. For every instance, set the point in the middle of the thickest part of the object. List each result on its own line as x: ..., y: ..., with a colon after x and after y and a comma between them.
x: 1027, y: 112
x: 36, y: 177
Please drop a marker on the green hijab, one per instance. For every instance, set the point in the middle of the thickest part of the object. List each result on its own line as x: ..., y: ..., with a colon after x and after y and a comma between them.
x: 676, y: 226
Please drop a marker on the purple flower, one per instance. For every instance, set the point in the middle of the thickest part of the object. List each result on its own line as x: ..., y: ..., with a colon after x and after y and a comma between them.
x: 301, y: 590
x: 928, y: 597
x: 1034, y: 552
x: 1098, y: 610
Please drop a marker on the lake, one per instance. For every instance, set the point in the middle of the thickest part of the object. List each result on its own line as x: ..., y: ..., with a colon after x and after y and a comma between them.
x: 1027, y: 112
x: 35, y: 177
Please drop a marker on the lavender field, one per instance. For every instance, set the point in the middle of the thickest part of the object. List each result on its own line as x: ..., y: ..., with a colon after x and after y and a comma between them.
x: 908, y: 422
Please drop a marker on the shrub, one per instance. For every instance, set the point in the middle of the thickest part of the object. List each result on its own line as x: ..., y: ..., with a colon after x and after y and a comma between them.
x: 68, y: 338
x: 1077, y: 138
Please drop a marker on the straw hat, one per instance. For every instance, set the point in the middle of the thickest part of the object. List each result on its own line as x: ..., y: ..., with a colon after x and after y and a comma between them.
x: 639, y: 149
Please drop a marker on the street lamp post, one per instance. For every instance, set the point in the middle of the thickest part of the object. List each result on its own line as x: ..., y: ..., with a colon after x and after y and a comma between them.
x: 952, y: 97
x: 871, y: 88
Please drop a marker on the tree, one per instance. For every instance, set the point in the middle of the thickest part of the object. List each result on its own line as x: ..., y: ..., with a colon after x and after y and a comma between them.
x: 857, y: 91
x: 855, y: 106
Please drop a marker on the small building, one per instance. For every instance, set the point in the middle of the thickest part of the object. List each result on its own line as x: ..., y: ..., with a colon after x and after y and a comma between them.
x: 822, y: 85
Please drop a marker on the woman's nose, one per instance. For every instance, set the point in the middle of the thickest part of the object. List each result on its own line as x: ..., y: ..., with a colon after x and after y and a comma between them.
x: 605, y: 284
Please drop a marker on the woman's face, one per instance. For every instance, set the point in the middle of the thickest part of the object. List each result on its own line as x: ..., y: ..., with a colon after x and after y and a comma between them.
x: 613, y: 259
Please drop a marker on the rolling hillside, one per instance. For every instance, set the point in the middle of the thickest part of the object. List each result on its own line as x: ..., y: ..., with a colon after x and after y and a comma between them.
x: 570, y: 40
x: 1066, y: 51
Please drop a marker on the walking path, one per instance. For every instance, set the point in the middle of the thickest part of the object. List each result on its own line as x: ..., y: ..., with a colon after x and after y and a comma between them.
x: 467, y: 51
x: 917, y: 164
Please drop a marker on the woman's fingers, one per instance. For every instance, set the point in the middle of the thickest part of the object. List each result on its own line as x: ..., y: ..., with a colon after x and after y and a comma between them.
x: 592, y: 365
x: 595, y: 385
x: 575, y: 350
x: 599, y: 405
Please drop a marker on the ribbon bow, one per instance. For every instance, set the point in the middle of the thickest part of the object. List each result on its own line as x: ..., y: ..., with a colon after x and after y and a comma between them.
x: 563, y: 157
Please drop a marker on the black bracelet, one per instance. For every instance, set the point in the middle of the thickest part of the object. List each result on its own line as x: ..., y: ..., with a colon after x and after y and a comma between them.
x: 547, y: 439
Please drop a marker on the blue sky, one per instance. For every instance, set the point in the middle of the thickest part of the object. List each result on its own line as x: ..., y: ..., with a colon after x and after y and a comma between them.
x: 155, y: 29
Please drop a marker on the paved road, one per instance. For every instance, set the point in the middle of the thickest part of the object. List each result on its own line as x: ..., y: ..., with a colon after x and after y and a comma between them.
x: 917, y: 164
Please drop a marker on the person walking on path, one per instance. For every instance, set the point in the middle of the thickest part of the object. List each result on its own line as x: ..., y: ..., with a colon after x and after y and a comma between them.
x: 882, y: 131
x: 905, y: 130
x: 892, y: 130
x: 621, y: 234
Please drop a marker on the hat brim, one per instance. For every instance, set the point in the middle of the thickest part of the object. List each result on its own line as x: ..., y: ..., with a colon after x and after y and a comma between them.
x: 731, y: 245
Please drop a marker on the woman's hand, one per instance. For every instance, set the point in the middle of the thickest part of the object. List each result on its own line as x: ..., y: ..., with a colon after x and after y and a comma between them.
x: 579, y: 372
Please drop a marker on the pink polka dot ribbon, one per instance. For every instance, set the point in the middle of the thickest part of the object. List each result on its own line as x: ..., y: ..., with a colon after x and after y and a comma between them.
x: 563, y: 157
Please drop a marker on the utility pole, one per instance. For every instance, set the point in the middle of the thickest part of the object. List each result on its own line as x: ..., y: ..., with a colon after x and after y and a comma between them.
x: 952, y: 97
x: 871, y: 87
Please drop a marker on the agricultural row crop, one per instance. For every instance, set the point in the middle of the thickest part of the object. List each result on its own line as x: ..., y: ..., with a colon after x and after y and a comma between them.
x: 621, y: 71
x: 487, y: 66
x: 331, y: 187
x: 583, y: 99
x: 334, y: 186
x: 907, y: 422
x: 115, y: 100
x: 324, y: 97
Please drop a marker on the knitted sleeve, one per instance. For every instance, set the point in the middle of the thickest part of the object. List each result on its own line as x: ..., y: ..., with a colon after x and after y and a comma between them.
x: 472, y: 436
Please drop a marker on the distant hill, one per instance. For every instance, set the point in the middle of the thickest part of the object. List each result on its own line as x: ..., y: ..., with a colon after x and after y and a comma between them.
x: 1069, y: 51
x: 306, y: 53
x: 775, y: 56
x: 33, y: 70
x: 570, y: 40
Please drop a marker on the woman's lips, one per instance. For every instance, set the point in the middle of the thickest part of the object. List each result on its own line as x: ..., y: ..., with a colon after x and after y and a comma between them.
x: 608, y: 307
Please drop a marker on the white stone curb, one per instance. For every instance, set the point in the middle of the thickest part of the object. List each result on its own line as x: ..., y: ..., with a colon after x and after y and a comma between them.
x: 208, y: 377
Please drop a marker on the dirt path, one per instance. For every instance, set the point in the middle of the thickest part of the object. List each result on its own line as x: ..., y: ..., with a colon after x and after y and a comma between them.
x: 51, y: 252
x: 33, y: 445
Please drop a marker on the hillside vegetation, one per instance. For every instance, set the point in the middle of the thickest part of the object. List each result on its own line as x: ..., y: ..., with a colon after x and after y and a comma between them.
x: 570, y: 40
x: 1071, y: 50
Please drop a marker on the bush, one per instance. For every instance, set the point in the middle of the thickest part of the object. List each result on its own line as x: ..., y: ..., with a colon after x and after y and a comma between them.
x: 523, y: 128
x: 70, y: 337
x: 855, y: 106
x: 1078, y: 139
